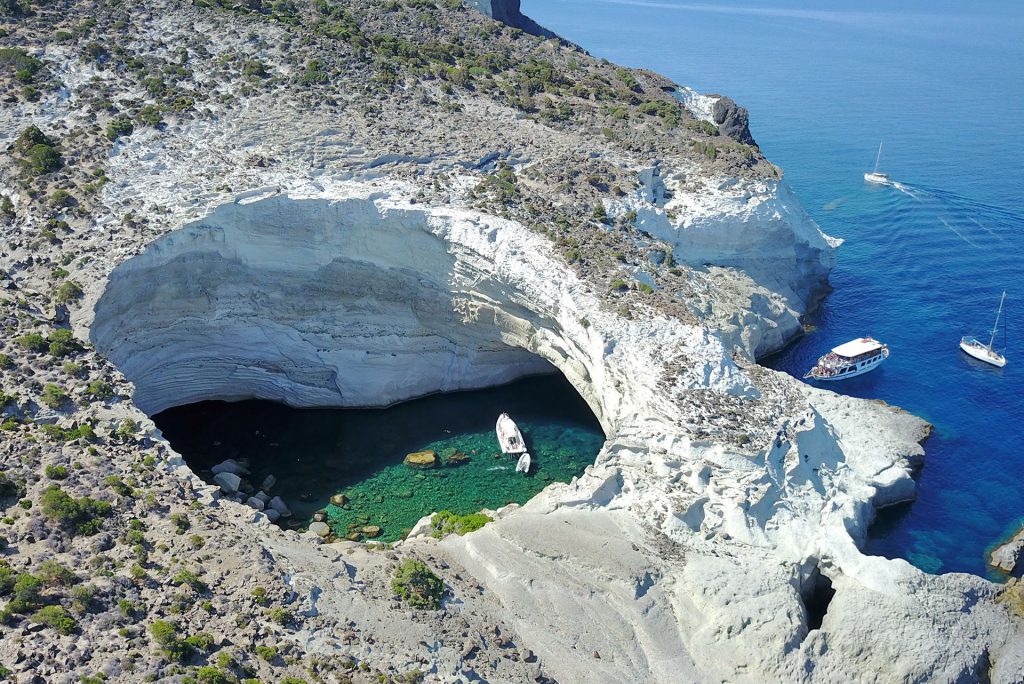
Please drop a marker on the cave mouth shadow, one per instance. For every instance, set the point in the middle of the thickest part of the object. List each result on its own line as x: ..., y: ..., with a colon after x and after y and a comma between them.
x: 314, y: 454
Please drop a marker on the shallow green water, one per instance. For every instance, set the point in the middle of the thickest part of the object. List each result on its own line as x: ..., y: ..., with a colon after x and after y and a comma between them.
x: 315, y: 454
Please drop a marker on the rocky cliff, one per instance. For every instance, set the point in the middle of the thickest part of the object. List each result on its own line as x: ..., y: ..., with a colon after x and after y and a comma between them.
x: 353, y: 203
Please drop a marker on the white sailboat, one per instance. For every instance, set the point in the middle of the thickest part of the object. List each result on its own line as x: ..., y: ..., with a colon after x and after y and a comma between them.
x: 983, y: 352
x: 876, y: 176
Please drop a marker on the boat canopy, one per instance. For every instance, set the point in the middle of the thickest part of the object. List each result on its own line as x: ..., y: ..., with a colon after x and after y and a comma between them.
x: 856, y: 348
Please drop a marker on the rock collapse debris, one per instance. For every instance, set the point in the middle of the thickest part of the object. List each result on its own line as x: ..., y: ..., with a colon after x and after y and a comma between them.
x: 348, y: 226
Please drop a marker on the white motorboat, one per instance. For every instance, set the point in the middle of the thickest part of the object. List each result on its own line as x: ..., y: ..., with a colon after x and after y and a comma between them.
x: 855, y: 357
x: 877, y: 176
x: 983, y: 352
x: 509, y: 436
x: 523, y: 464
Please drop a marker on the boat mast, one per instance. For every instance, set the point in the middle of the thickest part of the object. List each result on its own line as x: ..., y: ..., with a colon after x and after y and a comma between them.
x: 879, y: 157
x: 995, y: 328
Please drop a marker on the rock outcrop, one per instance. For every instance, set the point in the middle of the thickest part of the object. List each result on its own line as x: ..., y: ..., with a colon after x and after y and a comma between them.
x: 1006, y: 556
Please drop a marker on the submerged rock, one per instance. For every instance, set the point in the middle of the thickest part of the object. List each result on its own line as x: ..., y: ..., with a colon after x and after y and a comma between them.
x: 278, y: 504
x: 421, y: 459
x: 228, y: 482
x: 339, y: 500
x: 372, y: 531
x: 456, y: 458
x: 229, y: 466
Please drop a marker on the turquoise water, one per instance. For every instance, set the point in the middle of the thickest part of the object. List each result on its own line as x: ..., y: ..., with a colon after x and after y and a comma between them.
x: 315, y: 454
x: 942, y: 84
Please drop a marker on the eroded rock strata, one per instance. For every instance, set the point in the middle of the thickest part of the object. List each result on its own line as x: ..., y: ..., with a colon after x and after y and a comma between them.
x: 354, y: 203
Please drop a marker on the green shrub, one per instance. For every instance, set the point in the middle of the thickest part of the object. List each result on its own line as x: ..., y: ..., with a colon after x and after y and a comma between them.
x: 81, y: 516
x: 119, y: 126
x: 62, y: 342
x: 165, y: 635
x: 208, y: 674
x: 33, y: 342
x: 201, y: 642
x: 191, y: 579
x: 52, y: 396
x: 446, y: 522
x: 52, y: 572
x: 69, y: 291
x: 42, y: 159
x: 281, y: 616
x: 57, y: 618
x: 99, y: 389
x: 417, y: 585
x: 26, y: 594
x: 56, y: 472
x: 268, y: 653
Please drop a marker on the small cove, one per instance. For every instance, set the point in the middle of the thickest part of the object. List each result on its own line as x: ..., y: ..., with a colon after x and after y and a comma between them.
x: 317, y: 453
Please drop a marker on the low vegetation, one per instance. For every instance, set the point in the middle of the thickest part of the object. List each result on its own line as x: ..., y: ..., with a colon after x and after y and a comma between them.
x: 417, y: 585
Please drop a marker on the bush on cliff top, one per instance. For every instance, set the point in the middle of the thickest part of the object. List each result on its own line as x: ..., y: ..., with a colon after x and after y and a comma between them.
x: 417, y: 585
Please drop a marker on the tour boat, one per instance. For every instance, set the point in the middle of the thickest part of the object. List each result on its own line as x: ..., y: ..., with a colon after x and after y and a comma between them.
x: 876, y: 176
x: 523, y: 464
x: 983, y: 352
x: 509, y: 436
x: 856, y: 357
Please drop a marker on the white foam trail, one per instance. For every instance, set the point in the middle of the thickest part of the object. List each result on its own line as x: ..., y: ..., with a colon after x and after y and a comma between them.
x: 986, y: 229
x: 905, y: 189
x: 958, y: 233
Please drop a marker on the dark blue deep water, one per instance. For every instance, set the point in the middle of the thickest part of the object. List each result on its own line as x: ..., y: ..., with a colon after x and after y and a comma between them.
x: 942, y: 84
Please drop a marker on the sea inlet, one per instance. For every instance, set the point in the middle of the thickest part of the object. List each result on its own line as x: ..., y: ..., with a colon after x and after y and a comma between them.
x: 316, y: 454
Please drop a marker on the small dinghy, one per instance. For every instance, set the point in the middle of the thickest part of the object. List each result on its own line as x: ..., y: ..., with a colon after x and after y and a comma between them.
x: 509, y: 436
x: 523, y: 465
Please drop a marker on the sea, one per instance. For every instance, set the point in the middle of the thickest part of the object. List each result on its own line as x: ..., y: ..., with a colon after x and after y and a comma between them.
x: 925, y: 260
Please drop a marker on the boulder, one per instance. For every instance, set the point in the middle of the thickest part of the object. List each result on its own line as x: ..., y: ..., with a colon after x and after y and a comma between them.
x: 371, y: 531
x: 320, y: 528
x: 320, y: 516
x: 258, y: 504
x: 339, y: 500
x: 421, y: 459
x: 354, y: 536
x: 268, y: 482
x: 228, y: 482
x: 262, y: 496
x: 229, y: 466
x: 278, y: 504
x: 272, y: 515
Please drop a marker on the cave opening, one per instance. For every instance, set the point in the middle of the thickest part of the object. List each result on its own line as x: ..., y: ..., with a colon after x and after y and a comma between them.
x: 308, y: 456
x: 274, y: 332
x: 817, y: 595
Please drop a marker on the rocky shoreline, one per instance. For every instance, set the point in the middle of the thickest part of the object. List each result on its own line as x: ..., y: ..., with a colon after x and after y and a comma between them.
x: 355, y: 203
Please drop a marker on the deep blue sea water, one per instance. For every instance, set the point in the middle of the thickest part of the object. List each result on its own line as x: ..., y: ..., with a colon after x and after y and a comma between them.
x: 942, y: 84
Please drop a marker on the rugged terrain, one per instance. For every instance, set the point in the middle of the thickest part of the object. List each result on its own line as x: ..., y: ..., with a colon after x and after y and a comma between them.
x: 352, y: 203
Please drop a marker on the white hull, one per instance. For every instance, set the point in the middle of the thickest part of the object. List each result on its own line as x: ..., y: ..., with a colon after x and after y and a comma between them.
x: 983, y: 353
x: 509, y: 436
x: 523, y: 465
x: 849, y: 360
x: 850, y: 374
x: 880, y: 178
